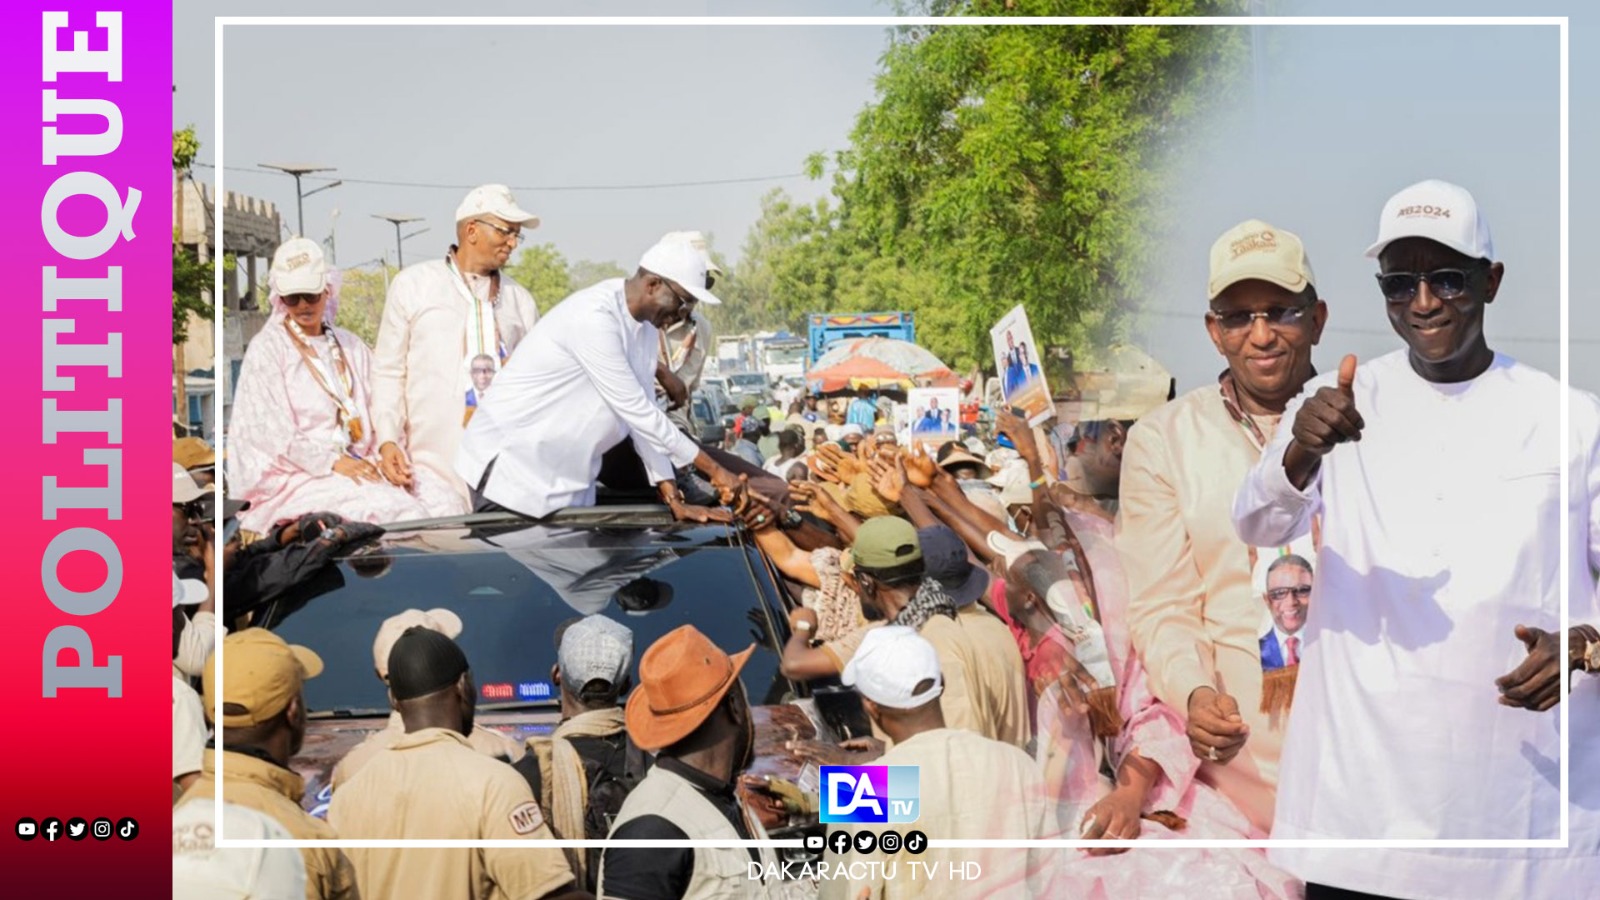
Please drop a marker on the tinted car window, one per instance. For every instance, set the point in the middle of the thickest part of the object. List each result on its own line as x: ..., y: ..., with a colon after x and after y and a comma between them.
x: 512, y: 588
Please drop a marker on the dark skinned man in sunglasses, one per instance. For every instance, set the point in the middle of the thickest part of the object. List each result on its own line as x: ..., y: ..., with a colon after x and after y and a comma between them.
x: 1433, y: 658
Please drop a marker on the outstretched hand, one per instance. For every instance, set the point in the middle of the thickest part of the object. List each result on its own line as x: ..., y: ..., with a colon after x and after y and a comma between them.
x: 1536, y: 683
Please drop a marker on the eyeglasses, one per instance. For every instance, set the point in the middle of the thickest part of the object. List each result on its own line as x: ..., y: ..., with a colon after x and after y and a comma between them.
x: 1300, y: 592
x: 484, y: 370
x: 1446, y: 284
x: 1280, y: 317
x: 510, y: 234
x: 294, y: 300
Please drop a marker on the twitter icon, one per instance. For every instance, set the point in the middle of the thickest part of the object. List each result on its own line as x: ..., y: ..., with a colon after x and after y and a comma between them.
x: 77, y: 829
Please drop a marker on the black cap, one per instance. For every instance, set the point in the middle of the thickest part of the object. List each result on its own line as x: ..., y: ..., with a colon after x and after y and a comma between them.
x: 424, y: 661
x: 945, y: 557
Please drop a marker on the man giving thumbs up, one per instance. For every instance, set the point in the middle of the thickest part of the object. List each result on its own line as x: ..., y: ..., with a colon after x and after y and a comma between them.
x: 1432, y: 656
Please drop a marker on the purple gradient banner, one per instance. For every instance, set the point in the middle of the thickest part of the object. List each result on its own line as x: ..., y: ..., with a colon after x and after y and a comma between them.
x: 86, y: 132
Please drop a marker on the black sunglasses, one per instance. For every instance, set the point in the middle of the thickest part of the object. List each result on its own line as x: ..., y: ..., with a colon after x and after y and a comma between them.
x: 293, y: 300
x: 683, y: 302
x: 1446, y: 284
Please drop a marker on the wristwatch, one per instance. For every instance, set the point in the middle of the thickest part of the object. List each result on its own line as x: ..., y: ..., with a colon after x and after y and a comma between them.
x: 1591, y: 657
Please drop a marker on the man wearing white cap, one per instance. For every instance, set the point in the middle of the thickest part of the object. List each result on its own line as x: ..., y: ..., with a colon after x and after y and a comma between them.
x: 1432, y: 660
x: 484, y: 740
x: 440, y: 315
x: 581, y: 384
x: 970, y: 787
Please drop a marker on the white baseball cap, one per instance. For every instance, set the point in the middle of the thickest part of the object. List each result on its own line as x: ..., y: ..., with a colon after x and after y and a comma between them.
x: 495, y: 200
x: 1439, y: 211
x: 298, y: 267
x: 698, y: 241
x: 188, y: 591
x: 203, y: 871
x: 678, y: 261
x: 441, y: 620
x: 891, y: 661
x: 184, y: 488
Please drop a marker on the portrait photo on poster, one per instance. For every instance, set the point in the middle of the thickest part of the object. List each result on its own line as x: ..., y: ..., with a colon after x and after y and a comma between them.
x: 1017, y: 362
x: 934, y: 416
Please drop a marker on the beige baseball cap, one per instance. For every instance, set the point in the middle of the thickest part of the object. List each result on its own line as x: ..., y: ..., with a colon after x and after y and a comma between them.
x: 298, y: 267
x: 263, y: 674
x: 441, y: 620
x: 1253, y: 249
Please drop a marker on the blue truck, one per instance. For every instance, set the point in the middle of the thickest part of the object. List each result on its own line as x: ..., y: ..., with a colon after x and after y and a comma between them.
x: 830, y: 328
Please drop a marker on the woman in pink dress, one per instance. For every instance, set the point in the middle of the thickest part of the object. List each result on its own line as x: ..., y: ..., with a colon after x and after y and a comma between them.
x: 300, y: 439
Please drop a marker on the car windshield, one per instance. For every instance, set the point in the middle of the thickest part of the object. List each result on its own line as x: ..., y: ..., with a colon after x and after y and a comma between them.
x: 753, y: 379
x: 512, y: 586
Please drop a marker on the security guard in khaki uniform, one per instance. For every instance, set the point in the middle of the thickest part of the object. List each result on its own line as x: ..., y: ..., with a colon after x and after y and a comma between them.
x: 432, y: 785
x: 263, y: 724
x: 487, y: 741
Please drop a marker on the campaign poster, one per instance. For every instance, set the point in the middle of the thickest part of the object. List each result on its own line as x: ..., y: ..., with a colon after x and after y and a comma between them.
x: 1017, y: 362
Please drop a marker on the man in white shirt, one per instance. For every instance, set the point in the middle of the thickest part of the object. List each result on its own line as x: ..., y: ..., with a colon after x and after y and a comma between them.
x: 581, y: 384
x: 1424, y: 703
x: 438, y: 317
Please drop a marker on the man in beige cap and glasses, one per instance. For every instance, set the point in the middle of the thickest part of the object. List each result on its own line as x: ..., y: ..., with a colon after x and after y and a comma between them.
x: 439, y: 315
x: 1192, y: 611
x: 689, y: 707
x: 969, y: 786
x: 484, y: 740
x: 263, y: 724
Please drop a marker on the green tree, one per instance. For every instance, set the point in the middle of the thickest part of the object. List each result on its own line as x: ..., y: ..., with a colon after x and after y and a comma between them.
x: 585, y: 272
x: 543, y: 271
x: 361, y: 296
x: 1003, y: 165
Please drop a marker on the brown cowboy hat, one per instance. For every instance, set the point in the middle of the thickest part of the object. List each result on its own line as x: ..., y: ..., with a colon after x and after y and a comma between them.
x: 682, y: 678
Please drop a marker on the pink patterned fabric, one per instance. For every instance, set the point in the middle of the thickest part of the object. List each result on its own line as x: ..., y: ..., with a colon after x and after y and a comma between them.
x: 1156, y: 732
x: 284, y: 437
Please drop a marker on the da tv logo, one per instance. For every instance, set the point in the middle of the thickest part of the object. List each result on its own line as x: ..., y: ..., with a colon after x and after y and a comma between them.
x: 858, y: 794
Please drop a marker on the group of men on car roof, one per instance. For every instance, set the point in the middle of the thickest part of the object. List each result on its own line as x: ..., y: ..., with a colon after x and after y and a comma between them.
x: 1285, y: 604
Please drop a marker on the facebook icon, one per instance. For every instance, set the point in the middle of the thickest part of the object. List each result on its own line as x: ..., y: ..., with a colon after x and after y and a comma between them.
x: 859, y: 794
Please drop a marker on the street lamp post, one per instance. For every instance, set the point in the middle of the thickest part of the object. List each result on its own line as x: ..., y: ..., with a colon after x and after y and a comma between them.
x: 297, y: 170
x: 398, y: 220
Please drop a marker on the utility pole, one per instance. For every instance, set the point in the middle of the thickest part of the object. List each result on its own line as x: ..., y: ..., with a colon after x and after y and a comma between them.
x: 297, y: 170
x: 397, y: 220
